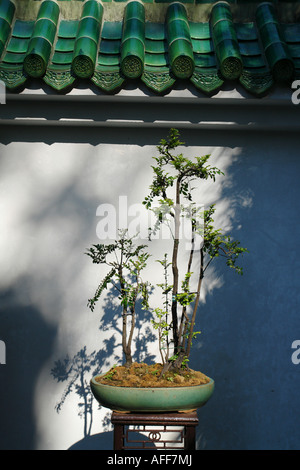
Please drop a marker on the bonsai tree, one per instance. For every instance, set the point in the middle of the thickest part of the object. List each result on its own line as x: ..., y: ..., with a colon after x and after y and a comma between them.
x: 171, y: 197
x: 125, y: 262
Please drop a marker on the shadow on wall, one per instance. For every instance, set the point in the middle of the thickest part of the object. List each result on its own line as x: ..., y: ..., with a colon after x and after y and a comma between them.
x: 77, y: 371
x: 29, y: 342
x: 101, y: 441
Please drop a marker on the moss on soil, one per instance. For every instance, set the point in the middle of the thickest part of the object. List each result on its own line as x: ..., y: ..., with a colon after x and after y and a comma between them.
x: 142, y: 375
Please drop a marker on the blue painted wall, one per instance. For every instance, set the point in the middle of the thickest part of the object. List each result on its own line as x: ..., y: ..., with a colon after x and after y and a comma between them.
x: 49, y: 196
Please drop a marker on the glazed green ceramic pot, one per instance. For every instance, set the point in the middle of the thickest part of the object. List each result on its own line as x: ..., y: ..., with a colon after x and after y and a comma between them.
x: 148, y: 400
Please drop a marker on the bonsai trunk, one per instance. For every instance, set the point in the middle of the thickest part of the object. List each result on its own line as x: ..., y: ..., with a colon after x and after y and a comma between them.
x: 126, y: 345
x: 201, y: 274
x: 175, y: 269
x: 184, y: 318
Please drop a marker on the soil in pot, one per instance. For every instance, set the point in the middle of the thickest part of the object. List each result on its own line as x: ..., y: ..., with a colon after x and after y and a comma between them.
x: 141, y: 375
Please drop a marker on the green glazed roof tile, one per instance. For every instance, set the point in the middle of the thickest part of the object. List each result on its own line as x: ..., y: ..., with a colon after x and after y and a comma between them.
x: 265, y: 14
x: 208, y: 80
x: 87, y: 38
x: 134, y: 28
x: 12, y: 75
x: 225, y: 41
x: 133, y: 40
x: 205, y: 60
x: 257, y: 83
x: 42, y: 39
x: 158, y: 69
x: 92, y: 8
x: 134, y: 9
x: 155, y: 31
x: 112, y: 30
x: 200, y: 30
x: 273, y: 41
x: 37, y: 57
x: 254, y: 62
x: 4, y: 30
x: 246, y: 31
x: 45, y: 28
x: 109, y: 47
x: 256, y: 73
x: 64, y: 44
x: 112, y: 60
x: 178, y: 45
x: 176, y: 11
x: 68, y: 29
x: 203, y: 46
x: 181, y: 54
x: 23, y: 29
x: 270, y: 33
x: 59, y: 77
x: 291, y: 32
x: 104, y: 69
x: 90, y: 28
x: 17, y: 46
x: 107, y: 79
x: 249, y: 48
x: 62, y: 58
x: 158, y: 79
x: 107, y: 71
x: 156, y: 60
x: 84, y: 57
x: 7, y: 10
x: 49, y: 9
x: 132, y: 57
x: 13, y: 58
x: 221, y: 11
x: 155, y: 47
x: 294, y: 50
x: 178, y: 29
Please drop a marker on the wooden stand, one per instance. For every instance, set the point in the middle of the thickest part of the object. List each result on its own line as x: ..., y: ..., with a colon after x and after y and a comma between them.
x: 131, y: 428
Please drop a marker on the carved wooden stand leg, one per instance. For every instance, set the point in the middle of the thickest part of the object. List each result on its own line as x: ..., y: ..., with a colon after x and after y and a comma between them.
x: 153, y: 426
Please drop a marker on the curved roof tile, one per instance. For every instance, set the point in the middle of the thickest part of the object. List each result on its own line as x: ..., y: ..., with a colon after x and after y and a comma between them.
x: 180, y: 49
x: 205, y: 50
x: 87, y: 39
x: 133, y: 40
x: 275, y: 47
x: 225, y: 41
x: 42, y: 39
x: 7, y: 11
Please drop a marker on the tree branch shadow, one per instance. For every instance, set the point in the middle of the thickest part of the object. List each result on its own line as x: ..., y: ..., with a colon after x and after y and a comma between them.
x: 77, y: 371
